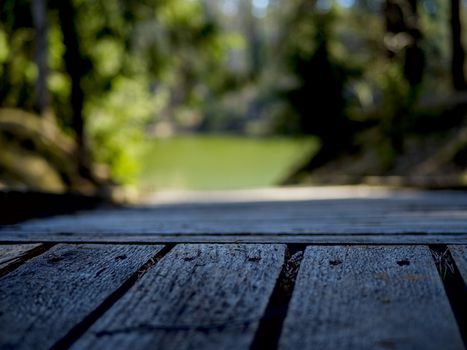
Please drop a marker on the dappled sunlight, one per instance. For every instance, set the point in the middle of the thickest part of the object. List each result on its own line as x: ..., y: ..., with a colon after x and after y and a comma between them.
x: 283, y: 194
x: 233, y: 174
x: 227, y: 94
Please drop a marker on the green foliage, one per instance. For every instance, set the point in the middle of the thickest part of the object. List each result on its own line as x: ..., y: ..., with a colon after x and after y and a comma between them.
x: 4, y: 47
x: 146, y: 66
x: 116, y: 124
x: 186, y: 66
x: 36, y: 153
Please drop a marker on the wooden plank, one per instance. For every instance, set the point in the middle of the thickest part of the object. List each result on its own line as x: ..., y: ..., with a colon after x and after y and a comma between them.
x: 11, y: 253
x: 43, y: 299
x: 242, y: 238
x: 118, y: 223
x: 459, y: 254
x: 369, y: 298
x: 424, y: 212
x: 197, y: 297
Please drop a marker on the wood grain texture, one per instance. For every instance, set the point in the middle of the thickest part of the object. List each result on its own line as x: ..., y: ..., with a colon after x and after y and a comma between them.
x: 10, y: 253
x: 459, y: 254
x: 44, y: 298
x: 369, y: 298
x: 196, y: 297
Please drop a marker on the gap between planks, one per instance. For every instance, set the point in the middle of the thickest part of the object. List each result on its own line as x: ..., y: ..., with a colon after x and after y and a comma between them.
x: 89, y: 320
x: 14, y: 258
x: 206, y: 296
x: 450, y: 263
x: 52, y: 297
x: 367, y: 298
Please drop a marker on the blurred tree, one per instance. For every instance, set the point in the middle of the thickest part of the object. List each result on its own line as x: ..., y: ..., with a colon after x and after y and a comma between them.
x: 39, y: 15
x: 404, y: 36
x: 403, y: 44
x: 76, y: 66
x: 119, y: 70
x: 250, y: 27
x: 17, y: 69
x: 318, y: 97
x: 458, y: 53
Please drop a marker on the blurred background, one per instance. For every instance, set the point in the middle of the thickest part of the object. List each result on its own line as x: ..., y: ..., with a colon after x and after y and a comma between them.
x: 150, y: 95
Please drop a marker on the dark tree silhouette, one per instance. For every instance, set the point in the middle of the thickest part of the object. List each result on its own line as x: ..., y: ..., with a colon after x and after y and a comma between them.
x: 251, y: 33
x: 77, y: 66
x: 319, y: 99
x: 403, y: 35
x: 39, y: 16
x: 458, y: 53
x: 402, y: 40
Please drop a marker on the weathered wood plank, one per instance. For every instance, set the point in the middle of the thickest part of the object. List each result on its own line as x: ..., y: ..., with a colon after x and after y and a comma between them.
x: 10, y: 253
x: 197, y: 297
x: 459, y: 254
x: 394, y: 239
x: 118, y: 223
x: 418, y: 212
x: 369, y: 298
x: 44, y: 298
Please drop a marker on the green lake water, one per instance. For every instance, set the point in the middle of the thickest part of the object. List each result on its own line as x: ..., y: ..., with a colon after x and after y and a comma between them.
x: 220, y: 162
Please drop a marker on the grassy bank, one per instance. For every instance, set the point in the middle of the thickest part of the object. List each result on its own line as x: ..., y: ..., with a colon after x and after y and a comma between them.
x: 220, y: 162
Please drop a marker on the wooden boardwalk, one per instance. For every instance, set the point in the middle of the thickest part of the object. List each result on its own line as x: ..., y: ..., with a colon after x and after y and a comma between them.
x: 317, y: 268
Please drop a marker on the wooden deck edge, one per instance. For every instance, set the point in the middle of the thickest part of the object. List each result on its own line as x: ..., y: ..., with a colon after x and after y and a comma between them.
x: 265, y: 239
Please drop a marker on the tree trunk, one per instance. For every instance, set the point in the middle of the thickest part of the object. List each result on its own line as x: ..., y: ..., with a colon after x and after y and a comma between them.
x: 251, y: 33
x: 458, y: 53
x: 75, y: 64
x: 39, y: 16
x: 403, y: 36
